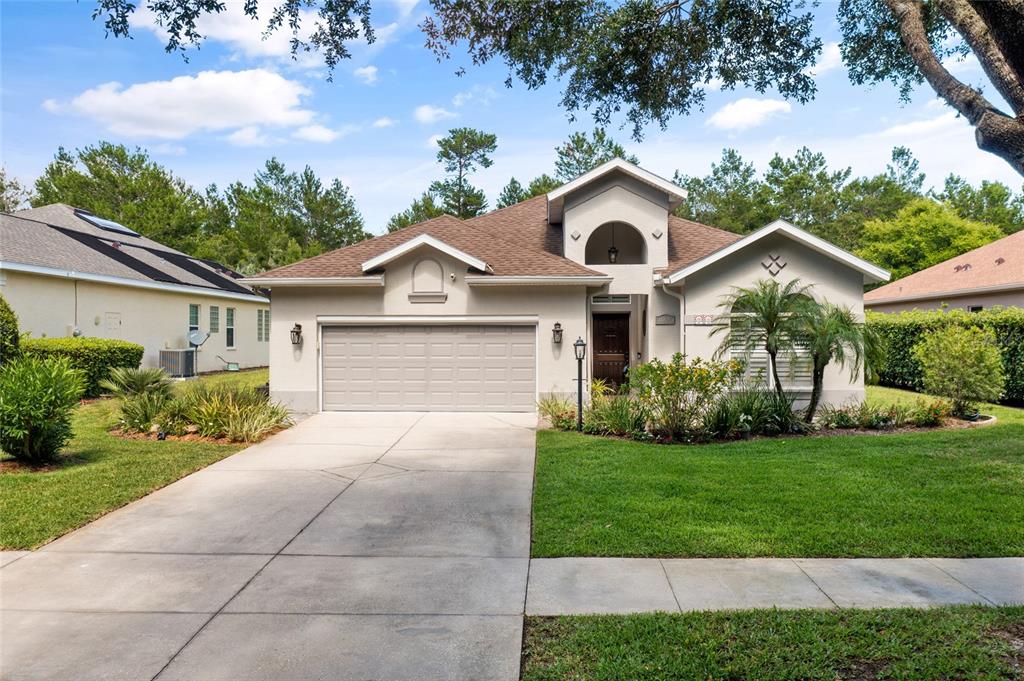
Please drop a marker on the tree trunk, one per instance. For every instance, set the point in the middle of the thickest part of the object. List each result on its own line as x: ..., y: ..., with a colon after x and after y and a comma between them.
x: 775, y: 372
x: 817, y: 384
x: 995, y: 132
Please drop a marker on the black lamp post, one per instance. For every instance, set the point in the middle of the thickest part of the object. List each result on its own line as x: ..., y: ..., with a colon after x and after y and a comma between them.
x: 580, y: 347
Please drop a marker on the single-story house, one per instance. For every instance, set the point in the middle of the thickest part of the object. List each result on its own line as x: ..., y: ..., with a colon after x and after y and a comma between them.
x: 67, y: 272
x: 985, y: 277
x: 482, y: 314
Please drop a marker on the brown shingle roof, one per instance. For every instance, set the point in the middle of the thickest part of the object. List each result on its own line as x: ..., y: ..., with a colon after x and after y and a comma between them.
x: 513, y: 241
x: 1000, y: 263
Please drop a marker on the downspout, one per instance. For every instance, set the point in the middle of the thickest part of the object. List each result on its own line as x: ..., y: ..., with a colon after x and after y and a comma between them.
x: 681, y: 297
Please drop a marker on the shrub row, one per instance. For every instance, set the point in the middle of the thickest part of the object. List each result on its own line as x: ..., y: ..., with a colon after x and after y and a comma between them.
x: 93, y: 357
x: 902, y: 332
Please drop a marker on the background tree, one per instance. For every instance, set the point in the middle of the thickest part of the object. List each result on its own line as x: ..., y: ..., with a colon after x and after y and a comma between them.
x: 461, y: 153
x: 542, y: 184
x: 423, y: 208
x: 512, y: 194
x: 992, y: 202
x: 922, y: 234
x: 13, y: 195
x: 582, y: 153
x: 642, y: 57
x: 731, y: 197
x: 126, y: 186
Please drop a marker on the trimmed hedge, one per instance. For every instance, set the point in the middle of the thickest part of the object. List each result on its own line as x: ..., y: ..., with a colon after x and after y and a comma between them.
x: 9, y: 334
x: 95, y: 357
x: 904, y: 330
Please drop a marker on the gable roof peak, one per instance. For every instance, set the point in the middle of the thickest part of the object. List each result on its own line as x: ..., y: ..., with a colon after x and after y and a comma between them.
x: 556, y: 197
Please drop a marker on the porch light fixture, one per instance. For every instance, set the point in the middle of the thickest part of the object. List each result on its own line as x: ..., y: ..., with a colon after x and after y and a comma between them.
x: 580, y: 348
x: 556, y: 334
x: 296, y: 334
x: 613, y: 253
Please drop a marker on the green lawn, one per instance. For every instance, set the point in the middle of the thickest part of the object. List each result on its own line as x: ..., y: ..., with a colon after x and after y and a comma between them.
x: 99, y: 473
x: 940, y: 493
x: 942, y: 643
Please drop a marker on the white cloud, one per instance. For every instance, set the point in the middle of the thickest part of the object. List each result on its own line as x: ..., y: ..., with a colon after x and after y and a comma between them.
x: 405, y: 7
x: 249, y: 136
x: 924, y: 127
x: 367, y: 74
x: 210, y: 101
x: 831, y: 59
x: 958, y: 65
x: 167, y: 149
x: 747, y: 113
x: 52, y: 105
x: 323, y: 134
x: 433, y: 140
x: 428, y: 113
x: 478, y: 93
x: 385, y: 122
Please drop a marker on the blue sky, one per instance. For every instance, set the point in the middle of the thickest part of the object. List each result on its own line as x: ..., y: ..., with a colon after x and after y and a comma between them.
x: 240, y: 100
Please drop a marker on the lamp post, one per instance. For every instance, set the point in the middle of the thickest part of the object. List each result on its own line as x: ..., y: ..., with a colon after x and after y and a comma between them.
x: 580, y: 347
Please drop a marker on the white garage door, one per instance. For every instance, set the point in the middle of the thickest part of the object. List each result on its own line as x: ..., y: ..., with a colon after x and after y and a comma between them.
x: 429, y: 368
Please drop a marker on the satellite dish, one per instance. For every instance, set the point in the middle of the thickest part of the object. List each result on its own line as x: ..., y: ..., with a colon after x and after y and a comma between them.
x: 197, y: 337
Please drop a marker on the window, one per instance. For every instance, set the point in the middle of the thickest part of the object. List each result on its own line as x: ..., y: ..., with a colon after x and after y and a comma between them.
x: 975, y: 308
x: 214, y: 319
x: 262, y: 325
x: 229, y: 327
x: 193, y: 319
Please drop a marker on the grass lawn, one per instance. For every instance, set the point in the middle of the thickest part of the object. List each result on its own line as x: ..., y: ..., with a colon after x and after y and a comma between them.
x: 941, y: 493
x: 942, y: 643
x: 98, y: 473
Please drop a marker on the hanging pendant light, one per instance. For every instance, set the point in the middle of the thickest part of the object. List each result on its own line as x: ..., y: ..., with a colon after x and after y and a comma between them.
x: 613, y: 253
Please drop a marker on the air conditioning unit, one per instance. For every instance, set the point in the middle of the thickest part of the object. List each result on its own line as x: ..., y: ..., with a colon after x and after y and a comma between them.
x: 179, y: 363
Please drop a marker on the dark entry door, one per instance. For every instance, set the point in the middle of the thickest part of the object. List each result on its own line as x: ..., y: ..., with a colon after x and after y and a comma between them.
x: 611, y: 347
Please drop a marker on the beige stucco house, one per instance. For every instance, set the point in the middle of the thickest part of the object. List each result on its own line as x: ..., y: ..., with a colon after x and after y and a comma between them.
x: 482, y: 314
x: 989, y: 276
x: 67, y: 272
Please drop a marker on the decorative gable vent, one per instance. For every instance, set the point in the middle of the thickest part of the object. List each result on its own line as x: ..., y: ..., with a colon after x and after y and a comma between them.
x: 611, y: 299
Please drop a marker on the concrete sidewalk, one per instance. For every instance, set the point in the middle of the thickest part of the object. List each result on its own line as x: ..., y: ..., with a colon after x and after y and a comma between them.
x: 577, y: 586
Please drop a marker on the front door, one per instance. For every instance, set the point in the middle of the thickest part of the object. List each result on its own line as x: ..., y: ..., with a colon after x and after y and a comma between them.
x: 611, y: 347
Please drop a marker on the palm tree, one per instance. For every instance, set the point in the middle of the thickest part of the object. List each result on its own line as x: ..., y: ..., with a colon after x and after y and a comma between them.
x: 834, y: 334
x: 766, y: 316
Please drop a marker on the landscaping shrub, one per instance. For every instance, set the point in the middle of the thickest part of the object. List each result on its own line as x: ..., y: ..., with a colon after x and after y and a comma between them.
x: 614, y: 414
x: 559, y: 411
x: 140, y: 411
x: 9, y: 334
x: 871, y: 416
x: 94, y: 357
x: 675, y: 395
x: 37, y: 397
x: 929, y: 413
x: 750, y: 410
x: 237, y: 413
x: 128, y: 381
x: 963, y: 364
x: 903, y: 331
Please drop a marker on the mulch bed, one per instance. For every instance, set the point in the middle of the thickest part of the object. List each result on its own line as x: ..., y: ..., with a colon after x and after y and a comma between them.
x: 188, y: 437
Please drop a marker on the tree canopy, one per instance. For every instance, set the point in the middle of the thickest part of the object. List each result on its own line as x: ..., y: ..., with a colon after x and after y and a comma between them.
x: 923, y: 233
x: 582, y: 153
x: 655, y: 60
x: 461, y: 152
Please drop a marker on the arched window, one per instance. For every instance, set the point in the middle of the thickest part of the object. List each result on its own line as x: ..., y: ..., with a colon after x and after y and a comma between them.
x: 616, y: 243
x: 427, y: 277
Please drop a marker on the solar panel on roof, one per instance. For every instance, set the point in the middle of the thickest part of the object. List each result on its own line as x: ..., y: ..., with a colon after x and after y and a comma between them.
x: 102, y: 223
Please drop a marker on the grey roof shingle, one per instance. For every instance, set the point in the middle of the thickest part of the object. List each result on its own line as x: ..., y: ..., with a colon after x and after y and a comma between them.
x: 55, y: 237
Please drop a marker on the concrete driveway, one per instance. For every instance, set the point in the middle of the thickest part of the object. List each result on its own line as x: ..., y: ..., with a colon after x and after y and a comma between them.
x: 352, y: 546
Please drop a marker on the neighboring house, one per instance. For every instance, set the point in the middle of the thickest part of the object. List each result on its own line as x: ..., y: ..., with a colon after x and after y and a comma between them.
x: 67, y: 272
x: 482, y: 314
x: 990, y: 275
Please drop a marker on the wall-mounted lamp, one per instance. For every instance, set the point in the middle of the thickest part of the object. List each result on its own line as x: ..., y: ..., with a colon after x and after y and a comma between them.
x: 296, y: 334
x: 556, y: 334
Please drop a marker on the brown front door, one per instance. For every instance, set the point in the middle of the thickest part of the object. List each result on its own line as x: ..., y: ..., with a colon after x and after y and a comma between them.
x: 611, y: 347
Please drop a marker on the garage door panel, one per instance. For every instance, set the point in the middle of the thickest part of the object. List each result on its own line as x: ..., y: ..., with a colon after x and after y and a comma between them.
x: 461, y: 367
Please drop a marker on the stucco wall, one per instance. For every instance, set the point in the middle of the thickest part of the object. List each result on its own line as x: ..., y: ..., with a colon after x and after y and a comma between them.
x: 52, y: 307
x: 833, y: 282
x: 626, y: 201
x: 1006, y: 299
x: 294, y: 370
